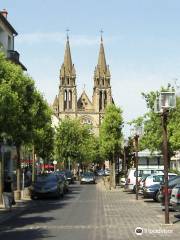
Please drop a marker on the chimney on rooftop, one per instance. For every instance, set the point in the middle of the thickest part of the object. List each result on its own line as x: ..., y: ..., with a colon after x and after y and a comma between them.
x: 4, y: 13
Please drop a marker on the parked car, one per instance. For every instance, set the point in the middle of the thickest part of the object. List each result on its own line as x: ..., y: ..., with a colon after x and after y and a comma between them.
x: 140, y: 183
x: 70, y: 176
x: 151, y: 185
x: 175, y: 198
x: 152, y: 192
x: 106, y: 172
x: 156, y: 178
x: 100, y: 172
x: 131, y: 177
x: 47, y: 185
x: 171, y: 184
x: 64, y: 179
x: 87, y: 177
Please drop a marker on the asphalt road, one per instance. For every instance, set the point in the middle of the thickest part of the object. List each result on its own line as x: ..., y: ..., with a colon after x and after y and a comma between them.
x: 73, y: 217
x: 89, y: 212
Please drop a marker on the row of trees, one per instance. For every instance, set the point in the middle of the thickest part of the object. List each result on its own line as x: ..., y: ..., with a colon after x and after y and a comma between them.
x: 25, y: 117
x: 75, y: 143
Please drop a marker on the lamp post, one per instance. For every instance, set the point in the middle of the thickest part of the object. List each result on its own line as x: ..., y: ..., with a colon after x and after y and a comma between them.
x: 136, y: 132
x: 165, y: 102
x: 124, y: 165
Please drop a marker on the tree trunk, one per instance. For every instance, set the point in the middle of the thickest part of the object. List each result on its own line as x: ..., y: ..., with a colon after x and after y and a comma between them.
x: 1, y: 177
x: 18, y: 172
x: 33, y: 165
x: 113, y: 173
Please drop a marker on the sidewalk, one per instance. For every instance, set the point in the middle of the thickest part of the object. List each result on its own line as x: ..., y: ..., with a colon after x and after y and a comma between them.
x: 20, y: 206
x: 123, y: 214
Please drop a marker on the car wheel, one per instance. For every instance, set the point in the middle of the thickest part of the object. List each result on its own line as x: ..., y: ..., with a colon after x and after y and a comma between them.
x: 157, y: 197
x: 34, y: 197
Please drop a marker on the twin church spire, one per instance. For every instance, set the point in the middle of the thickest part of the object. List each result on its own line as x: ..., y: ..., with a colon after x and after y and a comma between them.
x: 68, y: 69
x: 66, y: 103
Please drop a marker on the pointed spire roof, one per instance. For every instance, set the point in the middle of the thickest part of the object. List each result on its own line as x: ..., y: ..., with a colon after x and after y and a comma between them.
x: 67, y: 57
x: 102, y: 59
x: 55, y: 103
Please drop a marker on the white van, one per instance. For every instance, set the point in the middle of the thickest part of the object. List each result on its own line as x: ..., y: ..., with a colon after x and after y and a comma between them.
x: 131, y: 176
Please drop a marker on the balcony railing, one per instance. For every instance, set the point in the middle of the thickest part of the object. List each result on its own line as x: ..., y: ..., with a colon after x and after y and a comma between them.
x: 13, y: 55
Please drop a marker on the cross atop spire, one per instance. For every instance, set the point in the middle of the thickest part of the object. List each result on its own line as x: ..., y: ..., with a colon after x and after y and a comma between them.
x: 101, y: 32
x: 67, y: 33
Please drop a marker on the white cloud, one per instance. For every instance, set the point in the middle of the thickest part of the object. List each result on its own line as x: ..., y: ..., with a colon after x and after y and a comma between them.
x: 58, y: 37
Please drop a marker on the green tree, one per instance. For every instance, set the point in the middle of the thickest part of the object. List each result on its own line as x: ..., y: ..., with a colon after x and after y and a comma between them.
x: 75, y: 143
x: 111, y: 137
x: 68, y: 141
x: 20, y: 107
x: 152, y: 135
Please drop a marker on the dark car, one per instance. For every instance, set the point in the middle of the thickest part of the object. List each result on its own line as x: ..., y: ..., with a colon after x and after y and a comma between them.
x: 69, y: 176
x: 87, y: 177
x: 152, y: 192
x: 47, y: 185
x: 171, y: 184
x: 63, y: 177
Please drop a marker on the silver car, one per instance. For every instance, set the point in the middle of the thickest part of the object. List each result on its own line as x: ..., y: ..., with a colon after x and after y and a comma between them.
x: 175, y: 197
x: 87, y: 177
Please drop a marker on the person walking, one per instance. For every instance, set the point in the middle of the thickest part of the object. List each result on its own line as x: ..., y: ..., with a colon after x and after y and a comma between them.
x: 7, y: 193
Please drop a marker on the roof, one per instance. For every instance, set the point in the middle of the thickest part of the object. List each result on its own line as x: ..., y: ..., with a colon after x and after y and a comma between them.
x: 5, y: 21
x: 84, y: 102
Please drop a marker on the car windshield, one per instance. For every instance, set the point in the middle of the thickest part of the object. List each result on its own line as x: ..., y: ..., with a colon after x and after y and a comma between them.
x: 68, y: 173
x: 88, y: 174
x: 174, y: 181
x: 46, y: 178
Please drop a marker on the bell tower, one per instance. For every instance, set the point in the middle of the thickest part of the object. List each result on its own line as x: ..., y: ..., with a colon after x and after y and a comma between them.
x: 102, y: 89
x: 67, y: 89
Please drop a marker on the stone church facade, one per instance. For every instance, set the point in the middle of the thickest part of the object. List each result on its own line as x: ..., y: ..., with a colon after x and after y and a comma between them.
x: 67, y: 103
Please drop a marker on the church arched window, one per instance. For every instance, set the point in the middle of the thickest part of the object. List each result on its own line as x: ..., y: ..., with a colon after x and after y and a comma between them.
x: 100, y: 100
x: 65, y: 99
x: 70, y: 99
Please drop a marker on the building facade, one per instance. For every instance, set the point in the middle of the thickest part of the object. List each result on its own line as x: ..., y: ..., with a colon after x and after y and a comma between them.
x: 7, y: 35
x: 67, y: 103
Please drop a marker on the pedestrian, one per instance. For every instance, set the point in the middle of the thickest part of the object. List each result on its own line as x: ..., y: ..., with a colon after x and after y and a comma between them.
x: 7, y: 193
x: 29, y: 177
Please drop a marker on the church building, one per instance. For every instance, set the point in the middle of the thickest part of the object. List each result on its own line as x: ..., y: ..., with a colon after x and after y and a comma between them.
x: 67, y: 103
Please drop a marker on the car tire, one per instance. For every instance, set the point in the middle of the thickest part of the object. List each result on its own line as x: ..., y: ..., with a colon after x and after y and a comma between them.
x: 34, y: 197
x: 157, y: 199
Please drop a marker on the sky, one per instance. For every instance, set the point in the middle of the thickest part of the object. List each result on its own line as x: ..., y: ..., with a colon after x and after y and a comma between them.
x: 141, y: 40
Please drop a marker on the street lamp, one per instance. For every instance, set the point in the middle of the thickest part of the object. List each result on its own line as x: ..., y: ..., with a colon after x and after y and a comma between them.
x: 124, y: 165
x: 136, y: 132
x: 164, y: 102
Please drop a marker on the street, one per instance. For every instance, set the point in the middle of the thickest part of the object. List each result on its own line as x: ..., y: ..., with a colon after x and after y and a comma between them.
x: 90, y: 212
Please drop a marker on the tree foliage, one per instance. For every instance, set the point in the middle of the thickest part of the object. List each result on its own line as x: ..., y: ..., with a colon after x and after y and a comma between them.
x: 152, y: 134
x: 75, y: 141
x: 111, y: 131
x: 23, y: 111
